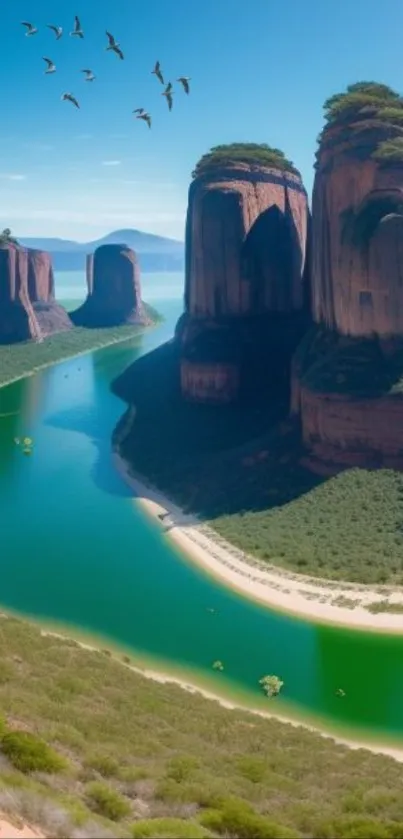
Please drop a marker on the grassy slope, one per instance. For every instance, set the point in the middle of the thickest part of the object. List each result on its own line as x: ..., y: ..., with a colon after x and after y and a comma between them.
x: 17, y: 360
x: 168, y: 754
x: 253, y: 490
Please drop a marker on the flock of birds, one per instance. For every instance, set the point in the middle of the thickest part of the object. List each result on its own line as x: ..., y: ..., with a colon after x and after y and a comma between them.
x: 112, y: 46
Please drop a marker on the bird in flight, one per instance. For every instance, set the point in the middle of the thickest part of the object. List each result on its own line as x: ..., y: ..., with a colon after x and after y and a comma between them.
x: 89, y: 75
x: 139, y: 111
x: 113, y: 46
x: 68, y: 97
x: 56, y: 29
x: 31, y: 30
x: 51, y: 68
x: 184, y: 80
x: 144, y: 116
x: 77, y: 29
x: 168, y: 95
x: 157, y: 72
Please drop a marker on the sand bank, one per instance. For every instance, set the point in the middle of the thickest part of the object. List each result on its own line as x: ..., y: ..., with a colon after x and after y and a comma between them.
x: 10, y: 830
x: 321, y: 601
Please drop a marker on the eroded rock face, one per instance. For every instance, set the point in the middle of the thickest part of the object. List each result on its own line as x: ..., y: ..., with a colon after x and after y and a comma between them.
x: 246, y: 234
x: 114, y: 294
x: 246, y: 267
x: 357, y: 272
x: 18, y: 321
x: 51, y: 317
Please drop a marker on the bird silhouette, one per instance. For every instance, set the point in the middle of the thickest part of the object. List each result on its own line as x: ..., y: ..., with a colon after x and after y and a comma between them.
x: 168, y: 95
x: 70, y: 98
x: 184, y: 80
x: 145, y: 117
x: 89, y: 75
x: 139, y: 111
x: 77, y: 31
x: 56, y: 29
x: 31, y: 29
x: 113, y: 46
x: 51, y: 68
x: 157, y: 72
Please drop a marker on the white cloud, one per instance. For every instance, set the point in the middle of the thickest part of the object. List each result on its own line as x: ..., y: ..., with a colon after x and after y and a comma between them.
x: 111, y: 162
x: 9, y: 176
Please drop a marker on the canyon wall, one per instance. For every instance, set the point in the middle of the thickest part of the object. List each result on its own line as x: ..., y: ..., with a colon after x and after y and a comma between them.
x: 114, y: 293
x: 246, y: 249
x: 51, y: 317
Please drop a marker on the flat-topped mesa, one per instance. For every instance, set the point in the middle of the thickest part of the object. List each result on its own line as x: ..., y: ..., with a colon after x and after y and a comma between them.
x: 246, y: 248
x: 357, y: 212
x: 18, y: 321
x: 246, y: 233
x: 50, y: 315
x: 114, y: 293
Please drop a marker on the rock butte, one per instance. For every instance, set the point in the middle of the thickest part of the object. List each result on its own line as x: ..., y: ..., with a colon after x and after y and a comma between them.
x: 357, y: 302
x: 114, y: 293
x: 28, y: 309
x: 246, y: 249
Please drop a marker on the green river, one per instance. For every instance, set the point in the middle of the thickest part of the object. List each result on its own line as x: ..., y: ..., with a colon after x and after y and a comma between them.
x: 77, y: 553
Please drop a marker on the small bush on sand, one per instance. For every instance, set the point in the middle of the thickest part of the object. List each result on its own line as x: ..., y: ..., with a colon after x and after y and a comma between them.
x: 107, y: 802
x: 29, y: 753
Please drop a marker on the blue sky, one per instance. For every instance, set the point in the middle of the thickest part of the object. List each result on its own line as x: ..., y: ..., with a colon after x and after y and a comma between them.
x: 260, y: 71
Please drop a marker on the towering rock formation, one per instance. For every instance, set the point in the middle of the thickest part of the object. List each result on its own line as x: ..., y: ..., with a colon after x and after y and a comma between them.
x: 346, y: 372
x: 246, y: 239
x: 114, y: 294
x: 41, y: 289
x: 28, y: 309
x: 17, y: 318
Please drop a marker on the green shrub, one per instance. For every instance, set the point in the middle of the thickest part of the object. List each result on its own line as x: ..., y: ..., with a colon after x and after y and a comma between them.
x: 168, y: 828
x: 29, y: 753
x: 107, y: 802
x: 252, y: 153
x: 236, y: 818
x: 356, y: 827
x: 252, y: 768
x: 180, y: 768
x: 104, y: 764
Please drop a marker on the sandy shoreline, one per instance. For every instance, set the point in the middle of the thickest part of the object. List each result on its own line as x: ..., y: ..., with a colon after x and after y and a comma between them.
x: 320, y: 601
x: 168, y: 678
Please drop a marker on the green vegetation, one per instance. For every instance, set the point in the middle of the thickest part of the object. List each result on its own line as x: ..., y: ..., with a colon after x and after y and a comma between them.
x: 242, y: 471
x: 365, y: 102
x: 107, y: 801
x: 178, y: 765
x: 18, y: 360
x: 258, y: 154
x: 362, y: 100
x: 6, y: 238
x: 271, y: 685
x: 29, y: 753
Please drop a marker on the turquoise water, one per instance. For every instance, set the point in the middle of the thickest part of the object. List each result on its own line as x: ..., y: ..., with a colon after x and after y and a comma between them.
x: 76, y: 551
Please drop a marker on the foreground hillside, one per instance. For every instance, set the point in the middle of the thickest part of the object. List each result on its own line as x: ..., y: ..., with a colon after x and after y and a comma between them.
x: 90, y: 748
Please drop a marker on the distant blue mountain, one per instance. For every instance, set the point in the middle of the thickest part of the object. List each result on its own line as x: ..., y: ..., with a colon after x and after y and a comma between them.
x: 156, y: 253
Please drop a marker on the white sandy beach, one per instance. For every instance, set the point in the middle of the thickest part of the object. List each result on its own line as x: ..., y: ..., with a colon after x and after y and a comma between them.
x: 317, y: 600
x: 10, y: 830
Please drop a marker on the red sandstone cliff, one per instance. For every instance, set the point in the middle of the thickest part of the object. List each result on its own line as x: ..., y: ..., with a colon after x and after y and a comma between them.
x: 347, y: 372
x: 356, y: 289
x: 114, y: 293
x: 246, y: 250
x: 246, y: 234
x: 50, y: 315
x: 18, y: 321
